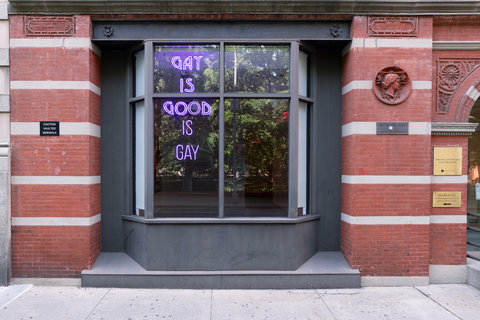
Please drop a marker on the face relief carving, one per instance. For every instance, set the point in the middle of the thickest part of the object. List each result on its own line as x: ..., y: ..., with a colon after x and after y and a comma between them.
x: 392, y: 85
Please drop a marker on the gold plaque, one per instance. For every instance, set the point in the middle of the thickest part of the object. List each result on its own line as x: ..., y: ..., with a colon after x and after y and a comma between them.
x: 447, y: 161
x: 444, y: 199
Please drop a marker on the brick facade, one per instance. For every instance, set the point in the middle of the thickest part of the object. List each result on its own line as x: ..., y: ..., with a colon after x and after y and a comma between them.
x: 405, y: 247
x: 46, y: 71
x: 389, y: 228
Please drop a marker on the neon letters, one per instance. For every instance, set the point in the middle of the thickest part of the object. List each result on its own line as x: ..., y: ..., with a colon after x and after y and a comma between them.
x: 193, y: 108
x: 188, y: 152
x: 187, y: 127
x: 187, y: 63
x: 187, y: 82
x: 181, y: 108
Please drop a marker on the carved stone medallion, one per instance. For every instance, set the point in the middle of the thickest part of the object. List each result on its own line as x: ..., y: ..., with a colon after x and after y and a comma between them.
x: 392, y: 85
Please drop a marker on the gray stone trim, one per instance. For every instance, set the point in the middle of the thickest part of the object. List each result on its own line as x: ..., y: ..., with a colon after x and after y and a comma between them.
x: 456, y: 45
x: 403, y: 7
x: 453, y: 128
x: 4, y: 103
x: 5, y: 236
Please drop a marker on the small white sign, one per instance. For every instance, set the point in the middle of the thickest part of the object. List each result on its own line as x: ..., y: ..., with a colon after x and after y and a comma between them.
x: 477, y: 191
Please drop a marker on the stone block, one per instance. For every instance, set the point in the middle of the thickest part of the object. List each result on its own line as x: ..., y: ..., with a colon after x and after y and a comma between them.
x: 4, y: 103
x: 4, y: 34
x: 4, y: 57
x: 3, y: 10
x: 4, y: 127
x: 4, y: 80
x: 4, y: 161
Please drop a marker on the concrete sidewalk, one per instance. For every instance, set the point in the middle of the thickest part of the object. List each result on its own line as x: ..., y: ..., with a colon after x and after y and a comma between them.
x: 67, y: 303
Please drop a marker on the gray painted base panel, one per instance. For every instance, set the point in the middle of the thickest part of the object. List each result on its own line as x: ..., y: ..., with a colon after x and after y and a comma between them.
x: 323, y: 270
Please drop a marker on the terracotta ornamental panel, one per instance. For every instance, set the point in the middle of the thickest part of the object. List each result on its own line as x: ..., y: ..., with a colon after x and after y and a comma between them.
x: 49, y: 26
x: 450, y: 75
x: 392, y: 27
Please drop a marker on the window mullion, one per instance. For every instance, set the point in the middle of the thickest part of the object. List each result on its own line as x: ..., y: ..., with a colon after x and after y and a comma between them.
x: 221, y: 135
x: 149, y: 143
x: 293, y: 132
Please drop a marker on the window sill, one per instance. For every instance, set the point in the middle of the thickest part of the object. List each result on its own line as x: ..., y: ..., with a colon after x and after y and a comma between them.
x: 248, y: 220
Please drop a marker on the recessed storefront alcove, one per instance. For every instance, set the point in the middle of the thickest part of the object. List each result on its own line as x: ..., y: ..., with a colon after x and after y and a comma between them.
x: 269, y: 96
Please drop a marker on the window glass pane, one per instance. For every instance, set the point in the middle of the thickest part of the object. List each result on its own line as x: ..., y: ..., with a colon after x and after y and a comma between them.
x: 473, y: 186
x: 140, y: 158
x: 256, y: 157
x: 257, y: 68
x: 140, y: 73
x: 186, y: 68
x: 303, y: 74
x: 186, y: 157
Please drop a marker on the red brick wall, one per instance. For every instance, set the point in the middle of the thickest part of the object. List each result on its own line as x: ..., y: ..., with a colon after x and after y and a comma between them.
x: 54, y: 250
x: 386, y: 155
x: 386, y: 249
x: 385, y: 200
x: 64, y: 105
x: 448, y: 241
x: 81, y: 201
x: 382, y: 250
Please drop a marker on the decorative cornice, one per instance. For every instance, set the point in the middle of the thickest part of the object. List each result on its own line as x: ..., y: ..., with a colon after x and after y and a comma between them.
x: 456, y: 45
x: 404, y: 7
x: 453, y: 128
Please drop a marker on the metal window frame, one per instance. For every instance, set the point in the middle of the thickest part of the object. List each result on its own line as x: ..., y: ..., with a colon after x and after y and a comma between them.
x: 293, y: 97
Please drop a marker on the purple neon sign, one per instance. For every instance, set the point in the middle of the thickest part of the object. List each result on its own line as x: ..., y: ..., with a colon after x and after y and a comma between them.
x: 187, y: 63
x: 187, y: 68
x: 182, y: 108
x: 181, y: 68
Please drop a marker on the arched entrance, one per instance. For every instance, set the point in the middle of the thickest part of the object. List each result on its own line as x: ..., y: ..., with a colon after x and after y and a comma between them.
x: 473, y: 206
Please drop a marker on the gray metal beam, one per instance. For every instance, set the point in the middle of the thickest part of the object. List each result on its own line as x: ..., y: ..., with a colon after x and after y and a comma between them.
x: 185, y: 31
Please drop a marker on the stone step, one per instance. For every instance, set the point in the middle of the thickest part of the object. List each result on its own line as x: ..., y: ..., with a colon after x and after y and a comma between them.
x: 322, y: 270
x: 473, y: 273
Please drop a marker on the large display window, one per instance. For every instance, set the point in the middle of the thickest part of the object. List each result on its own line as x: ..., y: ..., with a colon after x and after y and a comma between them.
x: 221, y: 130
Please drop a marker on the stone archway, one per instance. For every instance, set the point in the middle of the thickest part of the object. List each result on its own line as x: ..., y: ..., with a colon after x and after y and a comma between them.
x: 468, y: 99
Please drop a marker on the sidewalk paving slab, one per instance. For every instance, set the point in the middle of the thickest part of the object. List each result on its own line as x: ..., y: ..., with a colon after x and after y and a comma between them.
x: 53, y: 303
x: 268, y: 304
x: 154, y: 304
x: 460, y: 299
x: 416, y: 303
x: 383, y: 303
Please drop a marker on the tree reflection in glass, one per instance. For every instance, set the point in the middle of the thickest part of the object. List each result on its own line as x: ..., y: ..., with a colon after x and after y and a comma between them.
x: 257, y: 68
x: 174, y: 65
x: 186, y: 158
x: 256, y: 157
